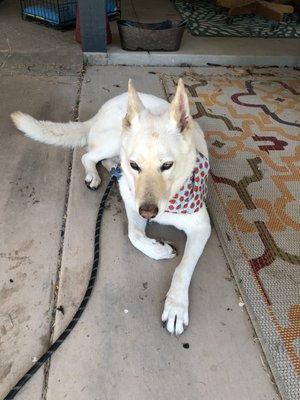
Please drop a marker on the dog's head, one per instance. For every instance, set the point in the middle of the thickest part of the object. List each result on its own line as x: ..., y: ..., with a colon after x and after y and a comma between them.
x: 157, y: 152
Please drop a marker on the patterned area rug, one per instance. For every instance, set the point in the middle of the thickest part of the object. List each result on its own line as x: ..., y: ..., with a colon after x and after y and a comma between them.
x: 252, y: 125
x: 207, y: 19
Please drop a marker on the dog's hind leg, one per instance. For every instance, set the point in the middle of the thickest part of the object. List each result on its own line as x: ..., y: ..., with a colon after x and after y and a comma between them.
x: 103, y: 145
x: 89, y: 161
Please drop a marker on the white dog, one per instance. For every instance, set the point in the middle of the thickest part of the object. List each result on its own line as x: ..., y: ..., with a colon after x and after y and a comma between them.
x: 164, y: 167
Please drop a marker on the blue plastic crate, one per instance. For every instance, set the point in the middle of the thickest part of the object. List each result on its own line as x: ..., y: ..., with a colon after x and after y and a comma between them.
x: 60, y: 12
x: 55, y: 12
x: 112, y: 8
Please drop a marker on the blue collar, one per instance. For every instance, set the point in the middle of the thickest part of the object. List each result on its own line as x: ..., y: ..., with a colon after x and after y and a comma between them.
x: 116, y: 172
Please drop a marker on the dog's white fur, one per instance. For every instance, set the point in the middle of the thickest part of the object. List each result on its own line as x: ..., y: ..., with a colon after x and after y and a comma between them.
x: 148, y: 131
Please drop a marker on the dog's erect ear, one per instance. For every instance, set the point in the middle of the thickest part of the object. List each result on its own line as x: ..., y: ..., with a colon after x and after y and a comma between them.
x: 180, y: 110
x: 135, y: 106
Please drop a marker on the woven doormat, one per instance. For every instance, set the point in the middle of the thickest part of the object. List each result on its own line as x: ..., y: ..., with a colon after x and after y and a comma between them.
x: 252, y: 125
x: 205, y: 18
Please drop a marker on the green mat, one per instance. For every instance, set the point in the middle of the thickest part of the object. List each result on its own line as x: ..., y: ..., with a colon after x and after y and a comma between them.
x: 205, y: 18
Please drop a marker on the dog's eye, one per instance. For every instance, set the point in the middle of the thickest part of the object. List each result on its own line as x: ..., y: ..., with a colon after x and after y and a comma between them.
x: 166, y: 166
x: 135, y: 166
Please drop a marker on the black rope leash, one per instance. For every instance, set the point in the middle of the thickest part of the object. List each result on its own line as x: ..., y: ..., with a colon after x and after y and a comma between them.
x: 82, y: 306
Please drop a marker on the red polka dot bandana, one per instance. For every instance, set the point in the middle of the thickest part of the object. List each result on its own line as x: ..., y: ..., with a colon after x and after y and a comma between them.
x: 192, y: 194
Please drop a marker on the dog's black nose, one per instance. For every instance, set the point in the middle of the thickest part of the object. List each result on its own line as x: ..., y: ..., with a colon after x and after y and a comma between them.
x: 148, y: 211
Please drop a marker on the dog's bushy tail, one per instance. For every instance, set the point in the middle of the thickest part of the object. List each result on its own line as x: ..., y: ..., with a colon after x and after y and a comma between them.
x: 70, y: 134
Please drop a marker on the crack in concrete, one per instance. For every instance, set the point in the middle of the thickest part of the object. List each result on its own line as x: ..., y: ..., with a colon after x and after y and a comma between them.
x: 53, y: 302
x: 7, y: 52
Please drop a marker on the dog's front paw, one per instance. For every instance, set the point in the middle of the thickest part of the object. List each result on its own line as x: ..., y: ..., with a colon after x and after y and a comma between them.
x: 176, y: 313
x: 92, y: 181
x: 162, y: 250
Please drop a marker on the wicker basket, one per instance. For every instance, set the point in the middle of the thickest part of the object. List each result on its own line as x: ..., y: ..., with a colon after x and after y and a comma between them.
x: 162, y: 36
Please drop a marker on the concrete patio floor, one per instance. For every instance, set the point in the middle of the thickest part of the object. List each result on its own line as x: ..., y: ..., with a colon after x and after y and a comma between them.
x: 32, y: 46
x: 47, y: 219
x: 47, y: 226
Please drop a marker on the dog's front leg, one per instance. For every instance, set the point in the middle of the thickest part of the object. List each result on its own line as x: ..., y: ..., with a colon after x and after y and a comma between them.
x: 175, y: 312
x: 137, y: 236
